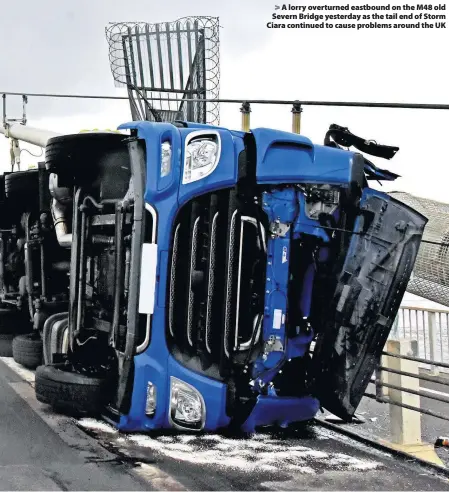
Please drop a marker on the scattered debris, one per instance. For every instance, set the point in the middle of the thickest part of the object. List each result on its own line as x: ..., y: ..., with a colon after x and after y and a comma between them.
x: 262, y: 452
x: 98, y: 425
x: 442, y: 442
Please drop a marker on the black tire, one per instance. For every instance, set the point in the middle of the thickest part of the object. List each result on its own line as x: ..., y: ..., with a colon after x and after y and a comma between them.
x: 73, y: 393
x: 27, y: 350
x: 71, y: 156
x: 23, y: 186
x: 6, y: 345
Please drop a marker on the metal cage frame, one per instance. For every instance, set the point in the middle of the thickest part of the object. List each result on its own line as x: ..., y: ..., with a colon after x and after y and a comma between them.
x: 175, y: 65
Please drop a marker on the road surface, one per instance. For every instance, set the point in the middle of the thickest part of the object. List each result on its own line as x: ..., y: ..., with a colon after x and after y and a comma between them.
x: 41, y: 450
x: 36, y: 454
x: 377, y: 421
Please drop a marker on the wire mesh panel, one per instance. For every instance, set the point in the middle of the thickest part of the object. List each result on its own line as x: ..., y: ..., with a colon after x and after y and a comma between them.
x: 430, y: 277
x: 168, y: 63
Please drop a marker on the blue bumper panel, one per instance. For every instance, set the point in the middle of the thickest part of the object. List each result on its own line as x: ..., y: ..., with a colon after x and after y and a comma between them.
x: 281, y: 411
x: 212, y: 391
x: 289, y: 158
x: 147, y: 369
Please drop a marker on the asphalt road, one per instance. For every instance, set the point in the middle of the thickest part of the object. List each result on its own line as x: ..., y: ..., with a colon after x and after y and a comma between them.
x: 37, y: 456
x: 41, y: 450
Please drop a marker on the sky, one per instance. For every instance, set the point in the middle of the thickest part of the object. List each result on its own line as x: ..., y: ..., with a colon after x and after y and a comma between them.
x: 60, y: 47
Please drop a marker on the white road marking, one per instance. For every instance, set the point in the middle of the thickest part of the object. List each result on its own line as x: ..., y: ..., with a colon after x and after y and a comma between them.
x: 24, y: 373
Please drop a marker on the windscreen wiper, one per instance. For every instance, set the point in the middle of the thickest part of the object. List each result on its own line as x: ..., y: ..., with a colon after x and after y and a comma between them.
x: 339, y: 137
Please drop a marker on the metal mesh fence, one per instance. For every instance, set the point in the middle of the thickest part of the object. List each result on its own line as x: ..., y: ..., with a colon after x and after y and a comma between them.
x: 173, y: 60
x: 430, y: 277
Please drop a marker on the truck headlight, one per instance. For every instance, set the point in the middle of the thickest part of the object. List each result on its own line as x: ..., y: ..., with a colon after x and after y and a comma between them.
x: 202, y: 153
x: 165, y: 159
x: 187, y: 408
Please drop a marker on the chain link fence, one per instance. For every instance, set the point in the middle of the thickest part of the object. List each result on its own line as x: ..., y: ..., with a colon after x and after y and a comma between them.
x: 430, y: 277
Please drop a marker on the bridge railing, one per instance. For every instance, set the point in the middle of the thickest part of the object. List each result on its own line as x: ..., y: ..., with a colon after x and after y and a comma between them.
x: 413, y: 374
x: 428, y: 329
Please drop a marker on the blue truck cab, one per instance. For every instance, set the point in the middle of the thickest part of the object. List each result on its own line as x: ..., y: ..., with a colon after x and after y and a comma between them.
x: 221, y: 278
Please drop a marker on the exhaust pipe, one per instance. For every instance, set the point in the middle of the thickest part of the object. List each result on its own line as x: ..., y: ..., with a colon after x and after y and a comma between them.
x: 28, y: 134
x: 61, y: 197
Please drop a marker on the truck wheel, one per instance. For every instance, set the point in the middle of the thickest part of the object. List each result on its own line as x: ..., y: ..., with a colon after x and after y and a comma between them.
x: 27, y: 350
x: 61, y: 387
x: 22, y: 187
x: 6, y: 345
x: 71, y: 156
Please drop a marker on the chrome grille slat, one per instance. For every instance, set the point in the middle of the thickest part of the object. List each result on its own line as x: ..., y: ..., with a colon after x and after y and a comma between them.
x: 216, y: 259
x: 211, y: 281
x: 173, y: 269
x: 191, y: 301
x: 245, y: 345
x: 228, y: 298
x: 237, y: 299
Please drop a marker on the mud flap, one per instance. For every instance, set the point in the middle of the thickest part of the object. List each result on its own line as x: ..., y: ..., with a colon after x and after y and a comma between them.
x: 368, y: 294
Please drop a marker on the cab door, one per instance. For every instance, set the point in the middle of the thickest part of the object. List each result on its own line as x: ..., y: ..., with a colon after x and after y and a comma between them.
x: 364, y: 304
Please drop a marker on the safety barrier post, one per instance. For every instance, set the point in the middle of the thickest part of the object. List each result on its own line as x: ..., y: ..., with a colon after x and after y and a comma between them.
x: 405, y: 424
x: 296, y: 117
x: 433, y: 341
x: 246, y: 115
x: 394, y: 334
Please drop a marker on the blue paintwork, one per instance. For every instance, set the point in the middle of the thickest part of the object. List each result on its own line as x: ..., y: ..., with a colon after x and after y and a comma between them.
x: 281, y: 158
x: 156, y: 364
x: 281, y: 411
x: 286, y: 206
x: 289, y: 158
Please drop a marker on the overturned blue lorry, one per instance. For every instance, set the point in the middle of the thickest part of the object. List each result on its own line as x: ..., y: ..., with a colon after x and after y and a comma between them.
x: 221, y: 278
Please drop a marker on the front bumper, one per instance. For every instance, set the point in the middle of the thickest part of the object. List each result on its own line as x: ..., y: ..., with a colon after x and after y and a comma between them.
x: 267, y: 411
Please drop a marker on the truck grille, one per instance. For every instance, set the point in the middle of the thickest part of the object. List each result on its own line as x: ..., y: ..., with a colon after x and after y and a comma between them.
x: 216, y: 282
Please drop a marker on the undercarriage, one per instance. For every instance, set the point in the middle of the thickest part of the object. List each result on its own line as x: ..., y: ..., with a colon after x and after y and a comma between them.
x: 33, y: 267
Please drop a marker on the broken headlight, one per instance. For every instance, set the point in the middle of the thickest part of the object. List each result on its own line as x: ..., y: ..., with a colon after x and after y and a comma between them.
x: 202, y: 153
x: 187, y: 408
